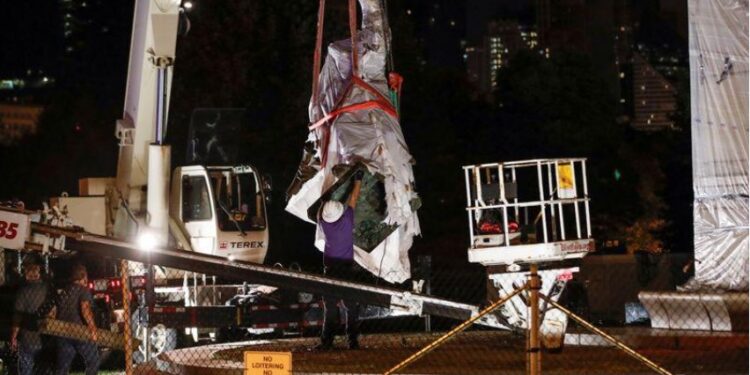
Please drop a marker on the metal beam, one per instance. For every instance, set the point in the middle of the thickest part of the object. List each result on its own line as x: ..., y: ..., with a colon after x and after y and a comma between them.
x: 391, y: 298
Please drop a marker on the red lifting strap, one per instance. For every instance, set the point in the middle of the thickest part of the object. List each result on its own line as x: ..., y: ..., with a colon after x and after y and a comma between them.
x: 353, y: 32
x: 318, y: 50
x: 380, y: 102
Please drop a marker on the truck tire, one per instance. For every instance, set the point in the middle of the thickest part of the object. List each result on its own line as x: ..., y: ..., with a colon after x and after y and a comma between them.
x: 161, y: 338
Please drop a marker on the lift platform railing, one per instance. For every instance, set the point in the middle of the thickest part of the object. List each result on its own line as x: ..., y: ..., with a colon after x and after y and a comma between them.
x: 523, y: 205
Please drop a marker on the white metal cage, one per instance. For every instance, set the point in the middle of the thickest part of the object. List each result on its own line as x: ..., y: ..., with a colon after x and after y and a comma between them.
x: 517, y: 211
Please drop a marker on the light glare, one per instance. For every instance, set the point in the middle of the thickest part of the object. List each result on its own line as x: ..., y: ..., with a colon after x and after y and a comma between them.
x: 146, y: 242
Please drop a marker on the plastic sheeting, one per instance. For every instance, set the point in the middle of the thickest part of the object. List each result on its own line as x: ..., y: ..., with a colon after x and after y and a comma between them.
x: 371, y: 137
x: 719, y: 112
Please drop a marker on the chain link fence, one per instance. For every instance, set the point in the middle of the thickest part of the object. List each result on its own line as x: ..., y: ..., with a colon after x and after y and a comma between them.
x: 86, y: 314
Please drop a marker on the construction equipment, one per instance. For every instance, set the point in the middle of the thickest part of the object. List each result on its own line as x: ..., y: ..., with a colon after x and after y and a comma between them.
x: 217, y: 209
x: 403, y: 301
x: 212, y: 209
x: 517, y: 214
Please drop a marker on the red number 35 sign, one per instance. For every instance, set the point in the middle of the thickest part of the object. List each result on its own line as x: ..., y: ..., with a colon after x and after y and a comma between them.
x: 14, y: 229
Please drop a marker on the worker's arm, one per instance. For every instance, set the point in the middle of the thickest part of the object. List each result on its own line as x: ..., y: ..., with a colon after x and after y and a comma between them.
x: 354, y: 196
x: 16, y: 322
x: 14, y: 334
x: 88, y: 316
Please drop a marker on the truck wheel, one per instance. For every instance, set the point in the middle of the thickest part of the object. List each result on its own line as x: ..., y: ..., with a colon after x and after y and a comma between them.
x: 160, y: 338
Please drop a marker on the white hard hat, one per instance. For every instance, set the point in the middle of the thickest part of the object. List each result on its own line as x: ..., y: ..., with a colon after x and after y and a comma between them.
x: 332, y: 211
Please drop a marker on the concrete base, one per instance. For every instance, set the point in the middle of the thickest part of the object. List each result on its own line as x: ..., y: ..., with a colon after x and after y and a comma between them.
x: 720, y: 312
x: 649, y: 338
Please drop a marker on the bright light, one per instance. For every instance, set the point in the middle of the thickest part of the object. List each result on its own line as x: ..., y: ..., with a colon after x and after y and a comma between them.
x: 147, y: 242
x: 188, y: 5
x: 230, y: 258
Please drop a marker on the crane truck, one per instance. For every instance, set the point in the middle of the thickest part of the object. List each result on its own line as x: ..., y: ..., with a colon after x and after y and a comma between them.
x: 216, y: 209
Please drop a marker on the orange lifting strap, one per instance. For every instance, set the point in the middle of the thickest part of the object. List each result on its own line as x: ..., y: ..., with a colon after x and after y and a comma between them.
x: 380, y: 102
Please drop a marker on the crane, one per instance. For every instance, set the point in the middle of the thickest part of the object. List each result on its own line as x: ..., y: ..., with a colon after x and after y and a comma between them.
x: 215, y: 209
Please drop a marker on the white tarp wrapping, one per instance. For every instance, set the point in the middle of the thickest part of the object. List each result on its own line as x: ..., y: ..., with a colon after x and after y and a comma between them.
x: 369, y: 136
x: 719, y: 113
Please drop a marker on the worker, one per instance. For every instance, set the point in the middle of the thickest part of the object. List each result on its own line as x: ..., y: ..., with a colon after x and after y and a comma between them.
x: 74, y: 306
x: 24, y: 337
x: 337, y: 223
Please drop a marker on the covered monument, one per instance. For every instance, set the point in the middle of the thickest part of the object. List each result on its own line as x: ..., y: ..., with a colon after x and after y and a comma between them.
x: 354, y: 124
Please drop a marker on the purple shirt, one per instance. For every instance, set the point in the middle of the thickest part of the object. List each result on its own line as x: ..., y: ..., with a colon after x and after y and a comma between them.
x: 339, y: 237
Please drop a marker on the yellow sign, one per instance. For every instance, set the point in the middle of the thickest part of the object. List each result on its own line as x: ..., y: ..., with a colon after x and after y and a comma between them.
x: 268, y: 363
x: 566, y: 187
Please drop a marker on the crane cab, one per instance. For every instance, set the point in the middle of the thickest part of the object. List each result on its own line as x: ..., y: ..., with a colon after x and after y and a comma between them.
x: 220, y: 210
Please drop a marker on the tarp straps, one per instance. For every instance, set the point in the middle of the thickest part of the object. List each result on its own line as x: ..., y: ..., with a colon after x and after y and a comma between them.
x: 319, y: 44
x: 318, y: 51
x: 380, y: 102
x: 353, y: 32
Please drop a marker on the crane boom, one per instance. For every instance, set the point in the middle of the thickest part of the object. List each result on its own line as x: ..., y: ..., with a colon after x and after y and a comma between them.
x: 152, y: 51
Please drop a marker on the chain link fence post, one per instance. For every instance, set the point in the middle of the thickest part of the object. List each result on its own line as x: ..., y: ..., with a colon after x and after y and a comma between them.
x: 127, y: 332
x: 534, y: 351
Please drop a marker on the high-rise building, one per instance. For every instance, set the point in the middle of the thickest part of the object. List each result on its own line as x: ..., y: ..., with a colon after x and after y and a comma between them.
x: 95, y: 39
x: 440, y: 27
x: 562, y: 25
x: 651, y: 59
x: 583, y: 27
x: 18, y: 121
x: 654, y: 99
x: 477, y: 68
x: 501, y: 41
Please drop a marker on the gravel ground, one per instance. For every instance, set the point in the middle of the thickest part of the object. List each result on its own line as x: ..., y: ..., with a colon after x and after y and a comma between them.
x: 487, y: 352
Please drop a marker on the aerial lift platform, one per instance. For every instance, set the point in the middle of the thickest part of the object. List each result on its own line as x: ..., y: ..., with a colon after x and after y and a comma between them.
x: 529, y: 212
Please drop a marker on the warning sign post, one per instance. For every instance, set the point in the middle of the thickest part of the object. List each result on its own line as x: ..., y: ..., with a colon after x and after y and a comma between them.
x: 268, y: 363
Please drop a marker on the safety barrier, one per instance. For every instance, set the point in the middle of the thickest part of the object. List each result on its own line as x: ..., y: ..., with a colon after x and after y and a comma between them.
x: 157, y: 319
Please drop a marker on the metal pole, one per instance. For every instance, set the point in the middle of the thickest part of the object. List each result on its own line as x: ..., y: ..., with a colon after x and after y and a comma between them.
x: 534, y: 356
x: 586, y: 195
x: 161, y: 102
x: 460, y: 328
x: 541, y: 199
x: 125, y: 281
x: 607, y: 337
x: 469, y: 212
x: 425, y: 270
x: 552, y: 204
x: 148, y: 306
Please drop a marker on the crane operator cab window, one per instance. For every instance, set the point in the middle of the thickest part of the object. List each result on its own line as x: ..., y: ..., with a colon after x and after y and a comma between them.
x: 239, y: 201
x: 196, y: 204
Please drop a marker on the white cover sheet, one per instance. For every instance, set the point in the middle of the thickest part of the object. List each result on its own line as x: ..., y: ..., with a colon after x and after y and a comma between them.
x: 368, y: 136
x: 719, y: 116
